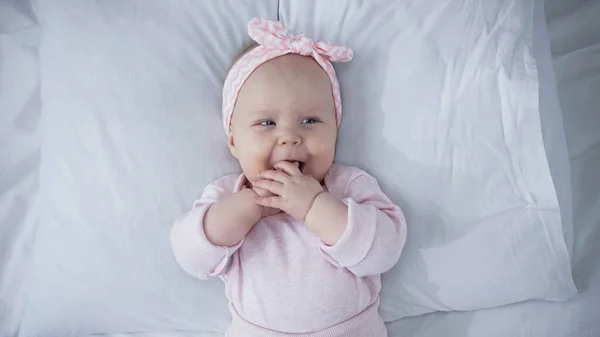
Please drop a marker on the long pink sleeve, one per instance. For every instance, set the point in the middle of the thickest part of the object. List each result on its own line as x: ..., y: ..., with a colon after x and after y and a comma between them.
x: 278, y: 282
x: 194, y: 253
x: 375, y: 233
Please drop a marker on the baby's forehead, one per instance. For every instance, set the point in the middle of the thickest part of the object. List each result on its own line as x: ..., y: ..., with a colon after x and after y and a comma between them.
x: 290, y: 84
x: 294, y: 77
x: 291, y: 65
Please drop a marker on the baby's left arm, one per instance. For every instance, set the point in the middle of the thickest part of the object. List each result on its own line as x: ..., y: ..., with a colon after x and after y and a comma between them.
x: 373, y: 229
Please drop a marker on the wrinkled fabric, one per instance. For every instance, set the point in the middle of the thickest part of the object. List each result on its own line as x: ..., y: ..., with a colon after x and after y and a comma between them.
x: 282, y: 276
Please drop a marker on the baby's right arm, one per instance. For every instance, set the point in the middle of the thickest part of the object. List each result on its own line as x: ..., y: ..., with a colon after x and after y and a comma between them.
x: 229, y: 220
x: 205, y: 238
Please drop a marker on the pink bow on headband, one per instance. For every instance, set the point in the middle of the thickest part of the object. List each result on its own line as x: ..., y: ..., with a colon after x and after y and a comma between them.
x: 274, y: 35
x: 275, y: 40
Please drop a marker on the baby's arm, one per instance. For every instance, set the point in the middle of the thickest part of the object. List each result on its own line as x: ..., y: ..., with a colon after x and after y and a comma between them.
x: 229, y: 220
x: 204, y: 239
x: 373, y: 229
x: 327, y: 218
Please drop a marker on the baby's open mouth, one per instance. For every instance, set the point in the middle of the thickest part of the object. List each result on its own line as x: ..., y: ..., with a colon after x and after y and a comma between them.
x: 298, y: 164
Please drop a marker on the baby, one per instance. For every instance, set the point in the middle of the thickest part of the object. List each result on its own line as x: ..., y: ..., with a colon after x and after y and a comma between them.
x: 300, y: 242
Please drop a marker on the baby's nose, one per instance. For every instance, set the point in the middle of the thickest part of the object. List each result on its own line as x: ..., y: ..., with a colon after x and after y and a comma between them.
x: 290, y: 138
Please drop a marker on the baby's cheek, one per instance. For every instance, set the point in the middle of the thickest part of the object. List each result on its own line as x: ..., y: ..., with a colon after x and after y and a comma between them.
x: 325, y: 148
x: 259, y: 150
x: 255, y: 159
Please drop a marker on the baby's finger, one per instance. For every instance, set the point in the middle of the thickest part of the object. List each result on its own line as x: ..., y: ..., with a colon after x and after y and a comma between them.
x: 273, y: 202
x: 272, y: 186
x: 289, y: 168
x: 262, y: 192
x: 281, y: 177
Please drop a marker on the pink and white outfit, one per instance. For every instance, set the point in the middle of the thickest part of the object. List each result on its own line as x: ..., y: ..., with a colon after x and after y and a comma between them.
x: 281, y: 279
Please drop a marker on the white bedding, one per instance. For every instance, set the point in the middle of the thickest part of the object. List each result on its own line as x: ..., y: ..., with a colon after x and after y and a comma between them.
x: 577, y: 62
x: 19, y: 155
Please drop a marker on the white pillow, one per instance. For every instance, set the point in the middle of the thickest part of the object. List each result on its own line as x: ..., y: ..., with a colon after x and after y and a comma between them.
x: 132, y: 134
x: 441, y: 105
x: 20, y: 109
x: 551, y: 117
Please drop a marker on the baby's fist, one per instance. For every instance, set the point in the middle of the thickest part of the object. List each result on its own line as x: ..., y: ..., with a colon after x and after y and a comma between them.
x: 266, y: 211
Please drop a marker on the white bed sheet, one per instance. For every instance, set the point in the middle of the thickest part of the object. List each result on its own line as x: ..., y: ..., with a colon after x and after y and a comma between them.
x: 577, y: 65
x: 19, y: 155
x: 576, y: 51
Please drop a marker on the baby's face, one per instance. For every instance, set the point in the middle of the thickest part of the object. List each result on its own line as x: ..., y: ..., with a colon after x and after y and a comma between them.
x: 285, y: 111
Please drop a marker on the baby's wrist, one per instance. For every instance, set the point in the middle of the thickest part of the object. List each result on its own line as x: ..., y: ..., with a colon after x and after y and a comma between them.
x: 247, y: 193
x: 312, y: 206
x: 249, y: 196
x: 327, y: 218
x: 262, y: 210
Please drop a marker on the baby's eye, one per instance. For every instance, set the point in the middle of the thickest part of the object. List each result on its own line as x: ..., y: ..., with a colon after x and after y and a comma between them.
x: 310, y: 120
x: 267, y: 123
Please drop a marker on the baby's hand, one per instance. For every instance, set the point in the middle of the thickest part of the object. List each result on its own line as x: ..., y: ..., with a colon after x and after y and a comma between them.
x: 261, y: 193
x: 294, y: 193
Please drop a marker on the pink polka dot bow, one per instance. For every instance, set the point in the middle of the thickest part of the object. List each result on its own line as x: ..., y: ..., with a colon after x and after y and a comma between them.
x: 275, y: 40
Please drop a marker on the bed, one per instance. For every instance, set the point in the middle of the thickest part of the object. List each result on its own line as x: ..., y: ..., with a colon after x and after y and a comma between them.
x: 573, y: 32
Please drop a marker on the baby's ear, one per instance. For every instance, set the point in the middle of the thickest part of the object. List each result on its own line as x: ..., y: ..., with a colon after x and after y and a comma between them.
x: 231, y: 144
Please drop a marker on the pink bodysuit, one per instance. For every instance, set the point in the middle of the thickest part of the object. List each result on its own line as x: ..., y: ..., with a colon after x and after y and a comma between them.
x: 282, y: 280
